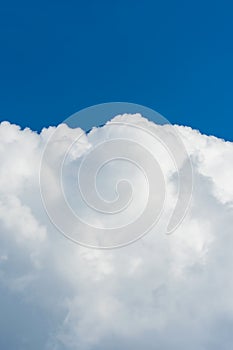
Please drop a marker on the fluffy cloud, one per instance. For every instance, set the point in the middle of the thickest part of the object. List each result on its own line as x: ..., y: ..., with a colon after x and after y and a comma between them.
x: 161, y: 292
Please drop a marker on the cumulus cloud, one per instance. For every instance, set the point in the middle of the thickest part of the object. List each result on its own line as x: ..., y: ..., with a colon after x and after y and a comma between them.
x: 161, y: 292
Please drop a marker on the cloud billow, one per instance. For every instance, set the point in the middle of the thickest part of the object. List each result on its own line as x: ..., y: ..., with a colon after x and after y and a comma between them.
x: 165, y: 292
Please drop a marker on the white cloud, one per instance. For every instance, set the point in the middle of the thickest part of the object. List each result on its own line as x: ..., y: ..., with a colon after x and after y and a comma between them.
x: 165, y: 292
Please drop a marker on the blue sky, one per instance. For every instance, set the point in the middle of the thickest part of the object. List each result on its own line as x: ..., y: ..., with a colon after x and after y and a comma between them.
x: 173, y: 56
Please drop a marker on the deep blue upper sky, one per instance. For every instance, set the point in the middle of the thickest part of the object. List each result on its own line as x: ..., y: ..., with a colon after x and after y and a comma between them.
x: 173, y: 56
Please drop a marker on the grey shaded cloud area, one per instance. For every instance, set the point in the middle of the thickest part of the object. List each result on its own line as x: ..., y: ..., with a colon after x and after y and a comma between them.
x: 161, y: 292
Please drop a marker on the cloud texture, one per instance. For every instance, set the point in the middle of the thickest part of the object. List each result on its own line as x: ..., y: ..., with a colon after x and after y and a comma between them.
x: 161, y: 292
